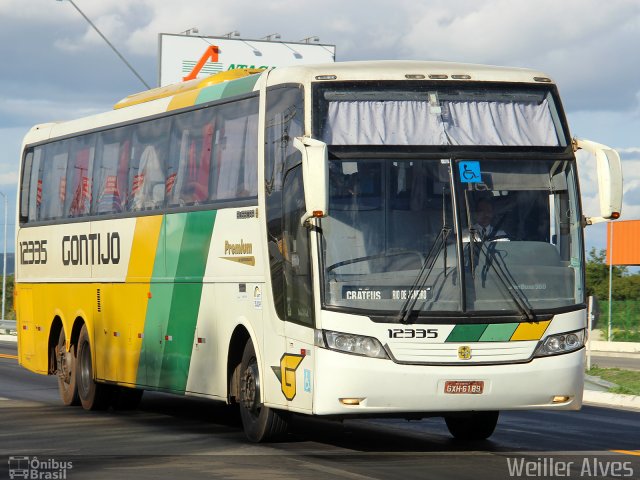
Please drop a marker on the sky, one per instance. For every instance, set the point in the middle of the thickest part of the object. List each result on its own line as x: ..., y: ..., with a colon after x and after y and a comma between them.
x: 55, y: 67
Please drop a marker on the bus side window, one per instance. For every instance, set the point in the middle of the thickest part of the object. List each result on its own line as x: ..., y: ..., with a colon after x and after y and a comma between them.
x: 110, y: 171
x: 189, y: 165
x: 147, y: 168
x: 236, y: 151
x: 53, y: 181
x: 284, y: 122
x: 79, y: 176
x: 35, y: 187
x: 24, y: 186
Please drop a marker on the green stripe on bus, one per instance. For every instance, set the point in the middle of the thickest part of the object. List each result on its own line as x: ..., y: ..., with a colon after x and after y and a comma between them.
x: 240, y: 86
x: 156, y: 319
x: 209, y: 94
x: 232, y: 88
x: 175, y: 228
x: 466, y: 333
x: 176, y: 288
x: 499, y: 332
x: 185, y: 301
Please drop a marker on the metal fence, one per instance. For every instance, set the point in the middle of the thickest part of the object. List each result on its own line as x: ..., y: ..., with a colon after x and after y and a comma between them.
x: 625, y: 316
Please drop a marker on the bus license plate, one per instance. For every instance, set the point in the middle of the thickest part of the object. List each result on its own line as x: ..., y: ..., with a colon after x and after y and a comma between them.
x: 474, y: 387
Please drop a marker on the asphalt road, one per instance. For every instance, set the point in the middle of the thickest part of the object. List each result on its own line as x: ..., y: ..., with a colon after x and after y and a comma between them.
x: 176, y: 437
x: 612, y: 361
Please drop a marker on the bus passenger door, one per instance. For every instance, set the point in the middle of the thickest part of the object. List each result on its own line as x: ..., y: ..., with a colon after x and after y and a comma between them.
x: 297, y: 368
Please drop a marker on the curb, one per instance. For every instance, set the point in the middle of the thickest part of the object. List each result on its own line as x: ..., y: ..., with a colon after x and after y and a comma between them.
x: 606, y: 399
x: 597, y: 346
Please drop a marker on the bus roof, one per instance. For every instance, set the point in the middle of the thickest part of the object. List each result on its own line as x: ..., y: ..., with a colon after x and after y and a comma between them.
x: 239, y: 82
x: 406, y: 69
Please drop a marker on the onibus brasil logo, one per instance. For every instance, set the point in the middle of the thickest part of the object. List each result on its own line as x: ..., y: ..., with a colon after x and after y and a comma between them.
x: 37, y: 469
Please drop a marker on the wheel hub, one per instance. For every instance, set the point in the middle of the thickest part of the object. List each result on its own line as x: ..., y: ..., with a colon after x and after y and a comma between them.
x: 250, y: 389
x: 64, y: 361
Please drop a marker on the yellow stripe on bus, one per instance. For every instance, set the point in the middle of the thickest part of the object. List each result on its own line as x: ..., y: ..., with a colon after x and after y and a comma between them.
x: 182, y: 100
x: 130, y: 309
x: 530, y: 331
x: 143, y: 250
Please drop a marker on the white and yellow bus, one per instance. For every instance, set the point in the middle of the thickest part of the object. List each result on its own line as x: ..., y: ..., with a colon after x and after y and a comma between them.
x: 308, y: 240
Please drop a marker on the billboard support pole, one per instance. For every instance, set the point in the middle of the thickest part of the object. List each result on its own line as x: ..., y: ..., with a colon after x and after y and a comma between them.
x: 610, y: 276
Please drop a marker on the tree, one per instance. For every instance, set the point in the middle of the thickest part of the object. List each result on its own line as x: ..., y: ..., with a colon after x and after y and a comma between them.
x: 625, y: 286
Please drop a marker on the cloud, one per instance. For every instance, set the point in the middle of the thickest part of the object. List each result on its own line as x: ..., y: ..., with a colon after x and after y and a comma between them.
x: 30, y: 111
x: 57, y: 67
x: 578, y: 42
x: 9, y: 178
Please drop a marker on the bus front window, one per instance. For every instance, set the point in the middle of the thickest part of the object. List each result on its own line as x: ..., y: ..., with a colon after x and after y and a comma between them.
x: 385, y: 216
x: 509, y: 244
x: 521, y: 234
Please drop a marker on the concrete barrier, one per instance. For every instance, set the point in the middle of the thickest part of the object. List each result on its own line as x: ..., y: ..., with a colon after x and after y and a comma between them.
x: 614, y: 347
x: 8, y: 324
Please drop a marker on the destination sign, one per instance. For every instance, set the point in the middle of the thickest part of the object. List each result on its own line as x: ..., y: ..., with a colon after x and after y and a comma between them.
x: 350, y: 292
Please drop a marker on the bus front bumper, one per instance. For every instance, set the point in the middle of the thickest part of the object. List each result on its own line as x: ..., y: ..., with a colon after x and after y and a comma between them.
x: 354, y: 385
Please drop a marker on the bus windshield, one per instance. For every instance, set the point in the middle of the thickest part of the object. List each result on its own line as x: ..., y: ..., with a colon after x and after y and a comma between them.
x: 513, y: 237
x: 389, y: 113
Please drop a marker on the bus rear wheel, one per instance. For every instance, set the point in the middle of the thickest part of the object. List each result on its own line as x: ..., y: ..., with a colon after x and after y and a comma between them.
x: 260, y: 423
x: 93, y: 396
x: 473, y: 425
x: 66, y: 371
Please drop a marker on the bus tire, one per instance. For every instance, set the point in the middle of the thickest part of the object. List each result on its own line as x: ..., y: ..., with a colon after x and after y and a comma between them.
x: 260, y: 423
x: 472, y: 426
x: 66, y: 371
x: 93, y: 396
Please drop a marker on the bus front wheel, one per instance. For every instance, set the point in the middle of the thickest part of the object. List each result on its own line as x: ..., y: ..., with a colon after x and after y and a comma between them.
x: 93, y: 396
x: 473, y: 425
x: 260, y: 423
x: 66, y: 371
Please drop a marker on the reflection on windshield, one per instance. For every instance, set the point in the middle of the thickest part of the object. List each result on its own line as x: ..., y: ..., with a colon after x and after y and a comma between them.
x: 516, y: 235
x: 384, y: 218
x: 522, y: 227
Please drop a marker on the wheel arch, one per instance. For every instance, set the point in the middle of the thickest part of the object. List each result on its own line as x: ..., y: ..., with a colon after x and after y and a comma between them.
x: 54, y: 334
x: 78, y: 323
x: 239, y: 338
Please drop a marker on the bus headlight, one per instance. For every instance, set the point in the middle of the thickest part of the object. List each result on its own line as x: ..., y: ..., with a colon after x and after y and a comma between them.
x: 561, y: 343
x: 350, y: 343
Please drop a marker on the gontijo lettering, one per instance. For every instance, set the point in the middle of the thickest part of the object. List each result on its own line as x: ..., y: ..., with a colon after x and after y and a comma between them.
x: 92, y: 249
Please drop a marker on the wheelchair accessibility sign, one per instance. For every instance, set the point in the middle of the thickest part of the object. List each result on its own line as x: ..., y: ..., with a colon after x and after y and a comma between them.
x: 470, y: 172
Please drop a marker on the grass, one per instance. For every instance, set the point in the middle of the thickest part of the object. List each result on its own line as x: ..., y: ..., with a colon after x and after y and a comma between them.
x: 627, y: 381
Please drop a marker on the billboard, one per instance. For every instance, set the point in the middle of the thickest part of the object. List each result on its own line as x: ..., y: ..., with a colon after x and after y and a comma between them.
x: 184, y: 57
x: 623, y: 242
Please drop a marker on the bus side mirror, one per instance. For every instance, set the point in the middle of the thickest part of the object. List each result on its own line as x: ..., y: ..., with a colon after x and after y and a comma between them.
x: 315, y: 174
x: 609, y: 179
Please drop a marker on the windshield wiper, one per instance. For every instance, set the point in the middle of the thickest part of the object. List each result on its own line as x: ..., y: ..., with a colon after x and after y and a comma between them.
x: 506, y: 279
x: 407, y: 311
x: 502, y: 272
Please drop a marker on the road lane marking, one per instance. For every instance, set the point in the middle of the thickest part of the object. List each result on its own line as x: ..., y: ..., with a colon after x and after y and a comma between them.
x: 6, y: 355
x: 627, y: 452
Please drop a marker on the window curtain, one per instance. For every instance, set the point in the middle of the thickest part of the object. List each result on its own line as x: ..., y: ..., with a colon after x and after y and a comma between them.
x: 450, y: 123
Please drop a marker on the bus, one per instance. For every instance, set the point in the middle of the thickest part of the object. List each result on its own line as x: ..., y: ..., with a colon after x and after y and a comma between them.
x: 305, y: 241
